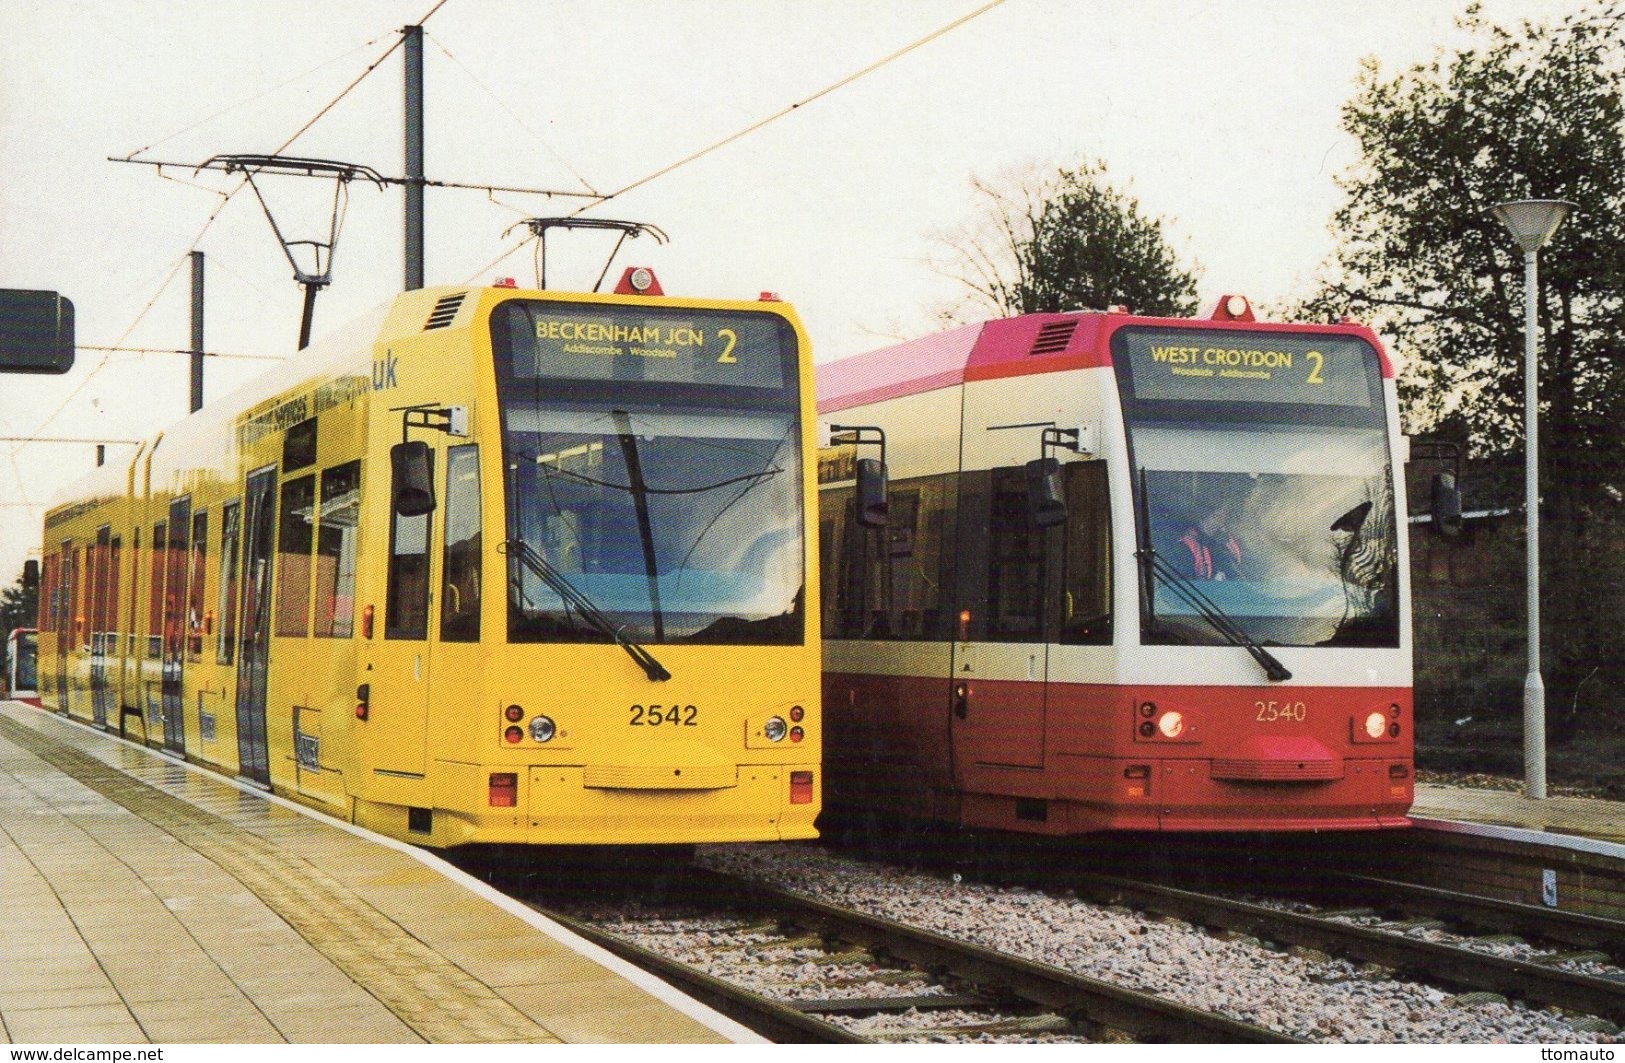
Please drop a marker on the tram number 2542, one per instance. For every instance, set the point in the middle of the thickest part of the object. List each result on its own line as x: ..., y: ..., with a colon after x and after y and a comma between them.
x: 664, y: 715
x: 1271, y: 711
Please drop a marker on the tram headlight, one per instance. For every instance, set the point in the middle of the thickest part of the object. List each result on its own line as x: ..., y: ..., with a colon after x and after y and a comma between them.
x: 542, y: 729
x: 1171, y: 724
x: 1376, y: 725
x: 775, y: 729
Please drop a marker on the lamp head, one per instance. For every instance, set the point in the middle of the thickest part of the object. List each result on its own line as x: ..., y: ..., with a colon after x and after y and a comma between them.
x: 1532, y: 221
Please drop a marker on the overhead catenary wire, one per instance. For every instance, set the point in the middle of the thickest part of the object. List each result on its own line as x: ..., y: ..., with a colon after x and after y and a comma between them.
x: 502, y: 103
x: 225, y: 198
x: 825, y: 91
x: 131, y: 157
x: 183, y: 350
x: 724, y: 142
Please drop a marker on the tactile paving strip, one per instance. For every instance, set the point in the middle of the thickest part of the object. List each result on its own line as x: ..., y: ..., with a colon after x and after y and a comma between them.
x: 433, y: 996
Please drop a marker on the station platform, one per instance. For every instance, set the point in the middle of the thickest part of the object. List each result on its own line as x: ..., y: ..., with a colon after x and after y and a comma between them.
x: 149, y: 901
x: 1580, y: 817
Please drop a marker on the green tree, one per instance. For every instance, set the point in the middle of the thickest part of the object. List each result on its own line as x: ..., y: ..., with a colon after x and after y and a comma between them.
x: 1536, y: 111
x: 1047, y: 242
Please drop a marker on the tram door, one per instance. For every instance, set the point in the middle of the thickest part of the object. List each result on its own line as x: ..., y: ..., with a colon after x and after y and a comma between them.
x: 998, y: 689
x: 396, y: 742
x: 1046, y: 597
x: 174, y: 631
x: 254, y: 633
x: 103, y: 574
x: 65, y: 597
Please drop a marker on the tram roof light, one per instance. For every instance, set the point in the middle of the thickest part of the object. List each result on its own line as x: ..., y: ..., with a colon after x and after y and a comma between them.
x: 639, y: 280
x: 505, y: 282
x: 1233, y: 308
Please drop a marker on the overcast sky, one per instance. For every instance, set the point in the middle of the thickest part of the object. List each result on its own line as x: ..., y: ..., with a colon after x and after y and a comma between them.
x: 1223, y: 119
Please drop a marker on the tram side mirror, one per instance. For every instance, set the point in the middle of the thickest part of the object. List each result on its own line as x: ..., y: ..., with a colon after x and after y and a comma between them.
x: 31, y: 573
x: 1045, y: 506
x: 413, y: 478
x: 1446, y: 507
x: 872, y: 502
x: 36, y: 332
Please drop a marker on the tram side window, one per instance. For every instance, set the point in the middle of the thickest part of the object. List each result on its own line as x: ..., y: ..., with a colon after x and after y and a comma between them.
x: 406, y: 603
x: 180, y: 515
x: 99, y: 611
x: 336, y: 541
x: 920, y: 551
x: 299, y: 446
x: 74, y: 617
x: 46, y: 621
x: 460, y: 598
x: 892, y: 582
x: 294, y: 540
x: 63, y: 610
x: 855, y: 597
x: 230, y: 518
x: 827, y: 567
x: 1086, y: 593
x: 132, y: 640
x: 155, y: 590
x: 112, y: 593
x: 195, y: 625
x: 1015, y: 563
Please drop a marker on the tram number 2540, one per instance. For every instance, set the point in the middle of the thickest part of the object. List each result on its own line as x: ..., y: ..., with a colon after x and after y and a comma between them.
x: 664, y: 715
x: 1271, y: 711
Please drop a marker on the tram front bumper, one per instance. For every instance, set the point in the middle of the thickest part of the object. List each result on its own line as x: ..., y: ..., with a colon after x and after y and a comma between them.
x: 576, y: 805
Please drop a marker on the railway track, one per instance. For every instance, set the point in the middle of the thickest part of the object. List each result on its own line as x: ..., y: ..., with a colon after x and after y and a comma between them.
x: 823, y: 973
x: 1456, y: 964
x: 1459, y: 940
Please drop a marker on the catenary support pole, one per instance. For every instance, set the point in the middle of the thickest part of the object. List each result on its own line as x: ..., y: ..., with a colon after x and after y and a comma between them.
x: 197, y: 330
x: 414, y: 158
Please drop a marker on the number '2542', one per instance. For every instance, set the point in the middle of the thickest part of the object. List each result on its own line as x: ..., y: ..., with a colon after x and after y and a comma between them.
x: 664, y: 715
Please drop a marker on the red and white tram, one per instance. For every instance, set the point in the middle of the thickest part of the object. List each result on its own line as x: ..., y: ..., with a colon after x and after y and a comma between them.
x: 1129, y: 573
x: 22, y: 665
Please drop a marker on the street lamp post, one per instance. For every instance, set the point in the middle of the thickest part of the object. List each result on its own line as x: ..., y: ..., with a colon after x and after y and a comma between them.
x: 1532, y: 222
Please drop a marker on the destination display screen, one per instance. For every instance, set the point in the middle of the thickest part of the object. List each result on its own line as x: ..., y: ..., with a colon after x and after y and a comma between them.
x: 1197, y: 365
x: 661, y: 345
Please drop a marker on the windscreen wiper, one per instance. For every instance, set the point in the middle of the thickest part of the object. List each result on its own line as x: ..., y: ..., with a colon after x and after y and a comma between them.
x: 1188, y: 592
x: 640, y: 505
x: 542, y: 569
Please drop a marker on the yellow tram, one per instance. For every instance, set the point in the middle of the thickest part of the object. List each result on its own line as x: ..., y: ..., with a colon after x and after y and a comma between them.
x: 489, y: 566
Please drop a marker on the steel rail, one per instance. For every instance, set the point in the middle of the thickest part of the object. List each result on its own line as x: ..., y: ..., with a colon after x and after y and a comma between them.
x: 1487, y: 913
x: 777, y: 1022
x: 1450, y: 964
x: 1142, y: 1015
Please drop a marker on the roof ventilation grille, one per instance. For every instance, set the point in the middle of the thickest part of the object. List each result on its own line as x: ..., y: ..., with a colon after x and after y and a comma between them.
x: 444, y: 311
x: 1053, y: 337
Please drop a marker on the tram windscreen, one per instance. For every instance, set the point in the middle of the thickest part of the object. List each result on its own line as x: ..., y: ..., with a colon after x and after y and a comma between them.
x: 653, y: 462
x: 1275, y: 498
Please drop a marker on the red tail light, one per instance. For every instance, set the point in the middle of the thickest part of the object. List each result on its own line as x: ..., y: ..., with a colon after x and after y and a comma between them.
x: 504, y: 789
x: 801, y: 787
x: 366, y: 622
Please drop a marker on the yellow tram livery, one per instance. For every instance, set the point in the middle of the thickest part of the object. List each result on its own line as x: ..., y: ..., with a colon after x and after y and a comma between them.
x: 489, y: 566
